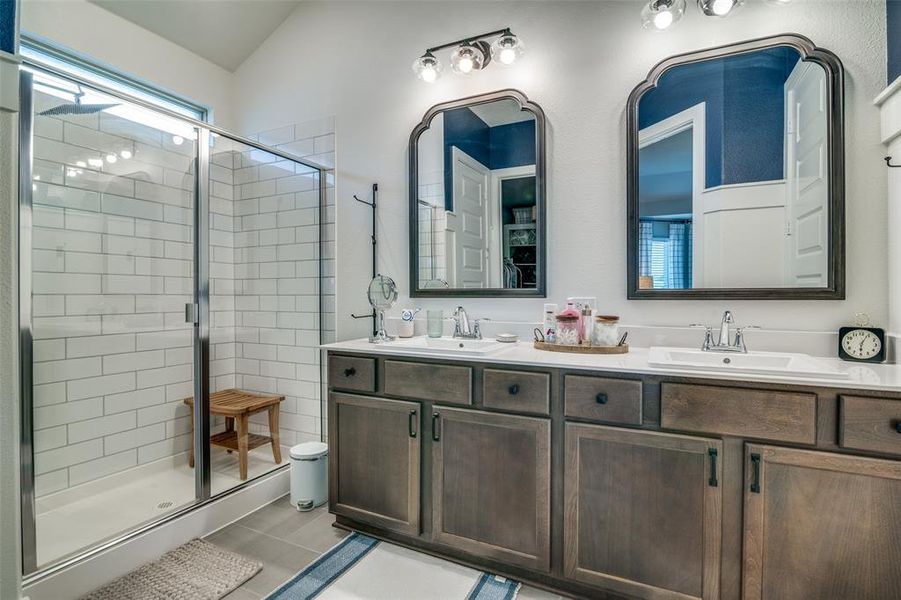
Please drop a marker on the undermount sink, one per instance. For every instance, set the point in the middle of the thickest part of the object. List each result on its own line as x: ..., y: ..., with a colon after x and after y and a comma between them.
x: 761, y: 363
x: 447, y: 345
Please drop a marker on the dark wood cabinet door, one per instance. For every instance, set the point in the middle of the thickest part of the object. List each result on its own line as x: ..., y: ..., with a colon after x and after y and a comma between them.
x: 820, y: 525
x: 374, y: 474
x: 491, y: 486
x: 643, y: 512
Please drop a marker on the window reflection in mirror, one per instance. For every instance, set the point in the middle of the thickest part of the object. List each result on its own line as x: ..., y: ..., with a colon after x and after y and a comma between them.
x: 477, y: 199
x: 733, y: 186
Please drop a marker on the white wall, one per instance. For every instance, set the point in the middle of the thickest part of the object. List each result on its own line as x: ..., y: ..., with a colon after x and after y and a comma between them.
x: 582, y: 60
x: 91, y: 30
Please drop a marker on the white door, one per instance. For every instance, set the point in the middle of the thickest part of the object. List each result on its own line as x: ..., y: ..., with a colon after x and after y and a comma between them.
x: 807, y: 188
x: 470, y: 180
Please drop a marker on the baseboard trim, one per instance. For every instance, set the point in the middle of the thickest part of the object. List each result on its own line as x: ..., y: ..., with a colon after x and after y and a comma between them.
x: 89, y: 574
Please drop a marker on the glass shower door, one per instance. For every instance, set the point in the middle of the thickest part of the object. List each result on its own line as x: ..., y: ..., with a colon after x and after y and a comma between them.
x: 108, y: 301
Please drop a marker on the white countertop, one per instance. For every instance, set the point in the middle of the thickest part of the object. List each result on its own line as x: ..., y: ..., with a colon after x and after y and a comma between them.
x: 885, y: 377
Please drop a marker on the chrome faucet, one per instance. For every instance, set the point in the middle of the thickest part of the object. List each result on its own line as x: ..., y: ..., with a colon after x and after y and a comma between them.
x: 465, y: 329
x: 728, y: 342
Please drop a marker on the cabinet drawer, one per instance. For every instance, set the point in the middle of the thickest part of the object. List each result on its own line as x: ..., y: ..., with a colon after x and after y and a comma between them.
x: 768, y: 415
x: 351, y: 373
x: 871, y: 424
x: 428, y: 381
x: 517, y: 391
x: 600, y: 399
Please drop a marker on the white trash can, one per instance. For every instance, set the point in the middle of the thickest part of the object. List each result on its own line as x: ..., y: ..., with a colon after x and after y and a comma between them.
x: 309, y: 475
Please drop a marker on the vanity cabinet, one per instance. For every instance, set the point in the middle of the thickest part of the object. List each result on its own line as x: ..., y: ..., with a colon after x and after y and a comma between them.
x: 610, y: 485
x: 820, y: 525
x: 642, y: 512
x: 374, y: 462
x: 491, y: 485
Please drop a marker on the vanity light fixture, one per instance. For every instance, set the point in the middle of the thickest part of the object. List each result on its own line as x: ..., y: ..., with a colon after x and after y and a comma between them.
x: 473, y: 54
x: 718, y: 8
x: 660, y: 15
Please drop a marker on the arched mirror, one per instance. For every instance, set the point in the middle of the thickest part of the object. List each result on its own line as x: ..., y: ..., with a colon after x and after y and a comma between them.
x: 477, y: 198
x: 736, y: 174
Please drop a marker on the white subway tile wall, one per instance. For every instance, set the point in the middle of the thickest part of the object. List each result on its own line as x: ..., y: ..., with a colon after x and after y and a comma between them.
x: 112, y: 267
x: 112, y: 353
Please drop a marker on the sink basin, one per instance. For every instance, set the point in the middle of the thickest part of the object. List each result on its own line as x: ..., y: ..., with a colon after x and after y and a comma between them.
x: 761, y: 363
x: 447, y: 345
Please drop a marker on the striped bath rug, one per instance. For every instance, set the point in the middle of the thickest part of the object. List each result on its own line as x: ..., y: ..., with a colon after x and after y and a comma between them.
x: 362, y: 567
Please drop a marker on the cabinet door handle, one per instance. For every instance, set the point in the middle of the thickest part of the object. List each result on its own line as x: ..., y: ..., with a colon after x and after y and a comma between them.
x: 350, y: 372
x: 513, y: 389
x: 412, y: 423
x: 755, y: 464
x: 898, y: 425
x: 601, y: 398
x: 436, y: 431
x: 712, y: 481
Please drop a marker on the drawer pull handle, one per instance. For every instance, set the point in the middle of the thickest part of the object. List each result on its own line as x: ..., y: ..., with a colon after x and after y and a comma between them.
x: 436, y: 423
x: 350, y: 372
x: 601, y: 398
x: 755, y: 464
x: 412, y: 423
x: 898, y: 425
x: 514, y: 389
x: 712, y: 482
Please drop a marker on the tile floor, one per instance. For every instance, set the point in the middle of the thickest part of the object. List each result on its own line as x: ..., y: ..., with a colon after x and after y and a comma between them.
x: 286, y: 541
x: 84, y: 515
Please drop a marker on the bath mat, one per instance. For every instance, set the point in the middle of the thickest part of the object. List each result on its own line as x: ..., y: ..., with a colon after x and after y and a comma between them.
x: 197, y: 570
x: 362, y: 567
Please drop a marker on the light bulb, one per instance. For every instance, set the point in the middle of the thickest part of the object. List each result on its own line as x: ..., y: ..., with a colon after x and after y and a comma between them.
x: 95, y: 162
x: 507, y: 48
x: 663, y: 19
x: 178, y: 140
x: 126, y: 154
x: 721, y: 7
x: 718, y: 8
x: 427, y: 67
x: 469, y: 57
x: 660, y: 15
x: 111, y: 158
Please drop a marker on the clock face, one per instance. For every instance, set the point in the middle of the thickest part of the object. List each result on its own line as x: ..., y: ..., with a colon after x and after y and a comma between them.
x: 862, y: 344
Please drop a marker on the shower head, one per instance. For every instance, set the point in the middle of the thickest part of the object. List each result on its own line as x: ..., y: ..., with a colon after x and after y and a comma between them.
x: 77, y: 108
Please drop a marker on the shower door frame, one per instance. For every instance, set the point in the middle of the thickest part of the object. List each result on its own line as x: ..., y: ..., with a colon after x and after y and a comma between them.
x: 202, y: 471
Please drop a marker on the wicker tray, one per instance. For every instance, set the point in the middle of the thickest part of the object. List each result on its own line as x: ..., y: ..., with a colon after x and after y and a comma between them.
x: 582, y: 349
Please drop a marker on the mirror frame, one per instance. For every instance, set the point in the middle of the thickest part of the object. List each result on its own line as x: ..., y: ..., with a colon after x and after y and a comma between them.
x: 835, y: 290
x: 540, y: 291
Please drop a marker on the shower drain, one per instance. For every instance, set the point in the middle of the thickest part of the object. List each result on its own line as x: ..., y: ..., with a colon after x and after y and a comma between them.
x: 165, y: 504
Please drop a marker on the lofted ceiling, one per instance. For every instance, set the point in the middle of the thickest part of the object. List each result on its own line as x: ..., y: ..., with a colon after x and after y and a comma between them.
x: 224, y: 32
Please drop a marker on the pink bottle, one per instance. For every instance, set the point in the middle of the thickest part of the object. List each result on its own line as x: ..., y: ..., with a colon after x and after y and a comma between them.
x: 572, y: 311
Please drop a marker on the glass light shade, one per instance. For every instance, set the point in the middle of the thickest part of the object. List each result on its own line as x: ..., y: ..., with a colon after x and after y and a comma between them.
x: 660, y: 15
x: 427, y: 67
x: 466, y: 59
x: 718, y: 8
x: 506, y: 49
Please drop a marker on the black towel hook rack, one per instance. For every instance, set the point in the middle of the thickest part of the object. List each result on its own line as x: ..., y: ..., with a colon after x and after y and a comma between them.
x: 373, y: 205
x: 888, y: 162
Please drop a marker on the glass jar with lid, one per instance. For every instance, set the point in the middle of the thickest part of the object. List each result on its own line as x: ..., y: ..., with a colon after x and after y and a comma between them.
x: 606, y: 331
x: 568, y: 330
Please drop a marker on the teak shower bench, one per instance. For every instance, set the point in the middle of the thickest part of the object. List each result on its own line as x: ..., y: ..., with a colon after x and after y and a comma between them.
x: 237, y: 406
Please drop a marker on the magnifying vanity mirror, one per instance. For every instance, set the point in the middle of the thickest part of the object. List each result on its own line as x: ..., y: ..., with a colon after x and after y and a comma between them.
x: 736, y: 174
x: 477, y: 198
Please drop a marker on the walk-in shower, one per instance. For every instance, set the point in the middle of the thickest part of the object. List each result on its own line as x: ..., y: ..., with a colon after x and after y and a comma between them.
x: 161, y: 259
